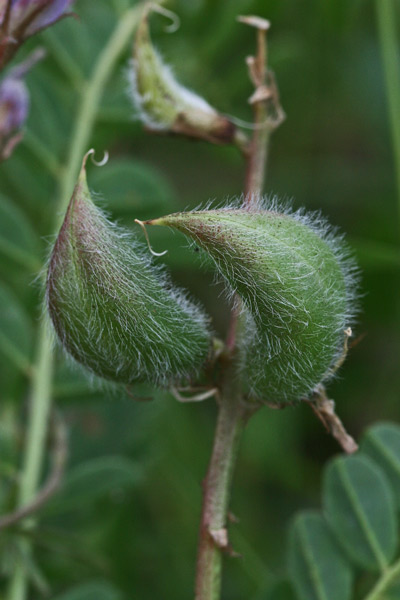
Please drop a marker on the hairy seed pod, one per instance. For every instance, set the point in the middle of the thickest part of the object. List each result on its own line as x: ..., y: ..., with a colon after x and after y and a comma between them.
x: 166, y: 106
x: 113, y: 310
x: 297, y: 287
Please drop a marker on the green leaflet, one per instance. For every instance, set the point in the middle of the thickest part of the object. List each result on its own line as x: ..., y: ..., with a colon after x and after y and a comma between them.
x: 382, y: 443
x: 317, y: 567
x: 296, y: 286
x: 114, y: 311
x: 359, y: 506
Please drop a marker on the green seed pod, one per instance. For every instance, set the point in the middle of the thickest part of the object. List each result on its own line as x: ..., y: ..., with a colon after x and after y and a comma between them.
x: 113, y: 310
x: 297, y: 288
x: 166, y: 106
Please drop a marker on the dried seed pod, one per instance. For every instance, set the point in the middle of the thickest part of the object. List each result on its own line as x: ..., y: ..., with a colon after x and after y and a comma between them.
x: 297, y: 287
x: 165, y: 106
x: 113, y: 310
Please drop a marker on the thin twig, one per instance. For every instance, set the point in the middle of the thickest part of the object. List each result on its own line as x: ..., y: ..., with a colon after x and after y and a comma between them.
x: 268, y: 113
x: 59, y: 455
x: 325, y: 411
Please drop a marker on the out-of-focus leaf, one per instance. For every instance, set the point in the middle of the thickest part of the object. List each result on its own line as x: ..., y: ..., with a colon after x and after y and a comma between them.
x: 52, y: 105
x: 359, y: 505
x: 132, y: 189
x: 18, y: 241
x: 23, y: 177
x: 85, y: 40
x: 393, y: 591
x: 281, y: 591
x: 8, y: 455
x: 94, y: 479
x: 382, y: 443
x: 95, y: 590
x: 317, y: 567
x: 15, y: 330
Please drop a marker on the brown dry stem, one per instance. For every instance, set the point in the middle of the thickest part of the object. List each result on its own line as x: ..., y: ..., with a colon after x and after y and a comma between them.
x: 324, y: 408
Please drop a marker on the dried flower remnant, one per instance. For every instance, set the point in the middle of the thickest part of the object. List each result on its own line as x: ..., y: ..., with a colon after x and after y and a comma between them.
x: 20, y: 19
x: 113, y: 309
x: 165, y: 106
x: 14, y: 105
x: 297, y: 285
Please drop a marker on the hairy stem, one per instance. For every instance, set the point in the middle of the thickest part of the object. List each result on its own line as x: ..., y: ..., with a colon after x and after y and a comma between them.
x: 389, y: 576
x: 386, y: 16
x: 213, y: 537
x: 232, y: 415
x: 40, y: 398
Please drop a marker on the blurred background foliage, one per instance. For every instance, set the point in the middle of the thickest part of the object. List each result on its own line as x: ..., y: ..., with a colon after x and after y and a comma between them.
x: 124, y: 525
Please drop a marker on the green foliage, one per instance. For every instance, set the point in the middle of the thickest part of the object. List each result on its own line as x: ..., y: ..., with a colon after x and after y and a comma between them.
x: 357, y: 527
x: 316, y: 564
x: 131, y: 188
x: 382, y: 443
x: 95, y: 590
x: 281, y: 591
x: 18, y: 242
x: 15, y: 330
x: 359, y: 505
x: 93, y: 479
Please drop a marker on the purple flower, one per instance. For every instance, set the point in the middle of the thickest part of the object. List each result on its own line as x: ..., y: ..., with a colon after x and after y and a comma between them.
x: 20, y: 19
x: 51, y: 12
x: 14, y: 105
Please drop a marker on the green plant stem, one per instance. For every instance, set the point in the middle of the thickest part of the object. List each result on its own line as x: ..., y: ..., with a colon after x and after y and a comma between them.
x: 258, y: 156
x: 34, y: 449
x: 233, y: 413
x: 389, y: 576
x: 213, y: 533
x: 91, y: 100
x: 38, y: 417
x: 386, y: 17
x: 40, y: 399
